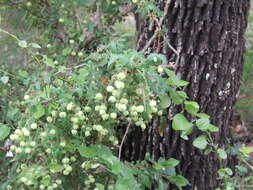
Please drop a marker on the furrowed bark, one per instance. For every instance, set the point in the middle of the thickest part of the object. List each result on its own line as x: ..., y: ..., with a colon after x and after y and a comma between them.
x: 208, y: 35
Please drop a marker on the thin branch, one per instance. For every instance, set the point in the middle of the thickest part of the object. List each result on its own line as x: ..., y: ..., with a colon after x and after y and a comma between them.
x: 122, y: 142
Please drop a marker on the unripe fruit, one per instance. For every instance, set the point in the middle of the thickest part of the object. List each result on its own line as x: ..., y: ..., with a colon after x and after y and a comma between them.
x: 28, y: 150
x: 28, y: 4
x: 119, y: 84
x: 49, y: 119
x: 61, y: 20
x: 80, y: 54
x: 65, y: 160
x: 112, y: 99
x: 160, y: 69
x: 26, y: 132
x: 113, y: 115
x: 26, y: 97
x: 121, y: 76
x: 34, y: 126
x: 62, y: 114
x: 74, y: 132
x: 140, y: 109
x: 99, y: 96
x: 87, y: 109
x: 63, y: 143
x: 71, y: 41
x: 110, y: 88
x: 52, y: 132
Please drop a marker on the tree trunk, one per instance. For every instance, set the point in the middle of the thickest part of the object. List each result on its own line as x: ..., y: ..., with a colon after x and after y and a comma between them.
x: 209, y: 37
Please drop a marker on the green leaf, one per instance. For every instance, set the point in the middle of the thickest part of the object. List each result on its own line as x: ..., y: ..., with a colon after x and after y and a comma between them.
x: 200, y: 142
x: 180, y: 123
x: 191, y: 107
x: 203, y: 124
x: 222, y: 154
x: 39, y: 111
x: 179, y: 181
x: 49, y: 62
x: 202, y: 115
x: 34, y: 45
x: 213, y: 128
x: 246, y: 150
x: 4, y: 131
x: 22, y: 44
x: 165, y: 101
x: 88, y: 152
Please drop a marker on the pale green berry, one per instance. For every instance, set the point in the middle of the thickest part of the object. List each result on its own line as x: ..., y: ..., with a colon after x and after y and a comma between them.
x: 42, y: 187
x: 155, y: 59
x: 65, y: 160
x: 58, y: 181
x: 119, y: 84
x: 18, y: 150
x: 54, y: 185
x: 80, y: 114
x: 143, y: 126
x: 103, y: 107
x: 43, y: 134
x: 34, y: 126
x: 28, y: 150
x: 48, y: 150
x: 62, y: 114
x: 26, y: 97
x: 123, y: 101
x: 112, y: 99
x: 70, y: 106
x: 68, y: 168
x: 113, y: 115
x: 87, y: 133
x: 73, y: 159
x: 110, y: 88
x: 54, y: 113
x: 75, y: 126
x: 61, y: 20
x: 116, y: 93
x: 134, y: 1
x: 140, y: 109
x: 99, y: 96
x: 105, y: 116
x: 160, y: 69
x: 65, y: 172
x: 121, y: 76
x: 102, y: 112
x: 160, y: 113
x: 152, y: 103
x: 74, y: 132
x: 80, y: 54
x: 63, y: 143
x: 56, y: 62
x: 26, y: 132
x: 49, y: 119
x: 126, y: 113
x: 13, y: 147
x: 22, y: 143
x: 49, y: 45
x: 71, y: 41
x: 87, y: 109
x: 33, y: 143
x: 139, y: 91
x: 97, y: 108
x: 74, y: 119
x: 52, y: 132
x: 113, y: 2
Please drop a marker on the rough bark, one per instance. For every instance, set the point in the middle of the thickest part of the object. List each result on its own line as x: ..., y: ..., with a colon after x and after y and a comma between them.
x: 208, y: 35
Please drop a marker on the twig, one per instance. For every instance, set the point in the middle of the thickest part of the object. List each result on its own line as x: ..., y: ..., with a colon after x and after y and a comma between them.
x: 122, y: 142
x: 159, y: 26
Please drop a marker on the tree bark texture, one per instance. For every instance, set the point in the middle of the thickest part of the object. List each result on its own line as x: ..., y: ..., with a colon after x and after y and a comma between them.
x: 209, y: 38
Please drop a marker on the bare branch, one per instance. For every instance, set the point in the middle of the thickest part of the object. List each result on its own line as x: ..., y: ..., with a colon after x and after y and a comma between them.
x: 122, y: 142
